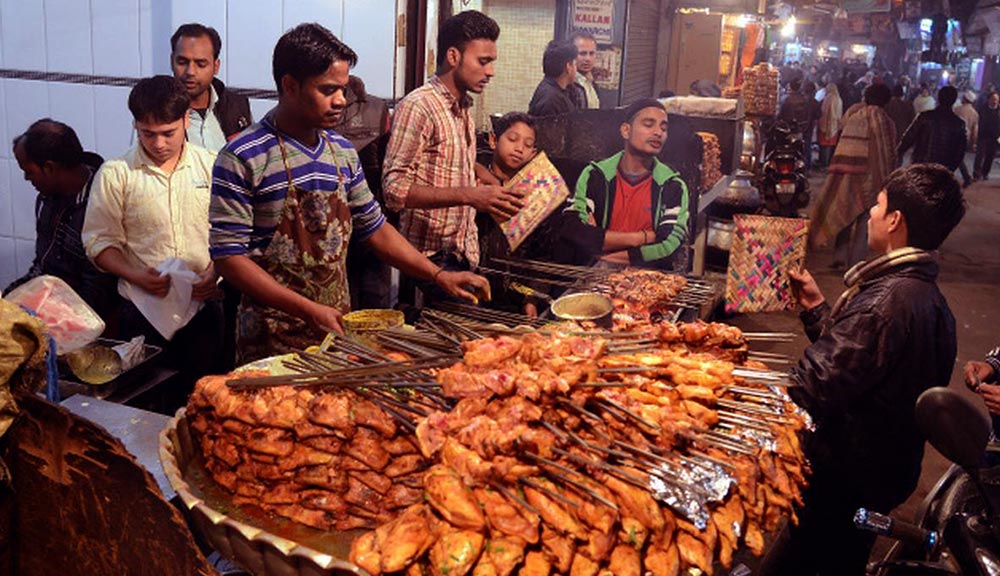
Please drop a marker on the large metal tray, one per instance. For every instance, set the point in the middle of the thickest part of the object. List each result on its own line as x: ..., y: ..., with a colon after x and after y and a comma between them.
x: 69, y: 384
x: 262, y: 543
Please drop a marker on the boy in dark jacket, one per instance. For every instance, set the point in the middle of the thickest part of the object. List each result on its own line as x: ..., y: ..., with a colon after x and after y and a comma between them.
x: 632, y: 208
x: 890, y: 336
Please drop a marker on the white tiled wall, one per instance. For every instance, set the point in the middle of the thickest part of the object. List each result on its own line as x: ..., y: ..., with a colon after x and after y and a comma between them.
x: 131, y: 38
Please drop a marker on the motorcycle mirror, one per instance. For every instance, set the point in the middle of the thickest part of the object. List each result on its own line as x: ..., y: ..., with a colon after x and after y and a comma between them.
x: 953, y: 425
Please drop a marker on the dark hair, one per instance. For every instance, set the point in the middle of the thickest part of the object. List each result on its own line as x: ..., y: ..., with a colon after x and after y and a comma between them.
x: 795, y: 85
x: 463, y: 28
x: 897, y: 91
x: 195, y: 30
x: 503, y: 123
x: 579, y: 34
x: 809, y: 87
x: 48, y: 140
x: 947, y: 96
x: 308, y: 50
x: 640, y: 105
x: 877, y: 95
x: 162, y: 99
x: 557, y: 55
x: 930, y: 199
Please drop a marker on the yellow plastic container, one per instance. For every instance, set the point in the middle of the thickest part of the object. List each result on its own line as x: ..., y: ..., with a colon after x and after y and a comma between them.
x: 364, y: 325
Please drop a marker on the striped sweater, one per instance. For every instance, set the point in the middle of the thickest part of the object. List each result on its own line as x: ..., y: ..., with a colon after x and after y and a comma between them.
x: 249, y: 186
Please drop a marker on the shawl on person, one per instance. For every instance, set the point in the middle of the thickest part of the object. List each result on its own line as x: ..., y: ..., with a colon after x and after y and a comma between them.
x: 862, y: 161
x: 831, y: 111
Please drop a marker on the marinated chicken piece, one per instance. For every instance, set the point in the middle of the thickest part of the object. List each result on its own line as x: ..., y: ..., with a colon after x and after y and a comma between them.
x: 535, y: 564
x: 271, y: 441
x: 584, y: 566
x: 728, y: 520
x: 490, y: 352
x: 401, y: 496
x: 599, y: 545
x: 431, y: 433
x: 405, y: 539
x: 323, y: 500
x: 458, y: 382
x: 702, y: 394
x: 633, y: 532
x: 315, y: 518
x: 470, y: 467
x: 507, y: 517
x: 753, y: 537
x: 635, y: 502
x: 484, y: 567
x: 403, y: 465
x: 448, y: 495
x: 597, y: 515
x: 625, y: 561
x: 302, y: 456
x: 373, y: 480
x: 559, y: 548
x: 328, y: 477
x: 662, y: 561
x: 706, y: 416
x: 366, y: 447
x: 693, y: 552
x: 504, y: 554
x: 365, y: 554
x: 401, y: 445
x: 553, y: 513
x: 367, y: 414
x: 455, y: 553
x: 360, y: 495
x: 333, y: 411
x: 328, y: 444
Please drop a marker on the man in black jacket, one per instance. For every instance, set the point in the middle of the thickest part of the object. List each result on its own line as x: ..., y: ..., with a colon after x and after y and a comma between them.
x: 216, y: 114
x: 554, y: 94
x: 986, y: 141
x: 53, y: 160
x: 937, y: 136
x: 890, y: 336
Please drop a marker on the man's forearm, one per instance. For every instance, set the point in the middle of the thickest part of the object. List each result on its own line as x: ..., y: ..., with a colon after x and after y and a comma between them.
x: 255, y: 282
x: 393, y: 249
x: 113, y: 261
x: 432, y: 197
x: 615, y: 241
x: 993, y: 359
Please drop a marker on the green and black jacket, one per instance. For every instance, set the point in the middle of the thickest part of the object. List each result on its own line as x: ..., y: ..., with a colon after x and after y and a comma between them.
x: 670, y: 215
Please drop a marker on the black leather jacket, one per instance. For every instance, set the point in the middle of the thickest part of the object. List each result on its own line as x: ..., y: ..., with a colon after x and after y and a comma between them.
x: 232, y: 110
x: 936, y: 136
x: 862, y: 374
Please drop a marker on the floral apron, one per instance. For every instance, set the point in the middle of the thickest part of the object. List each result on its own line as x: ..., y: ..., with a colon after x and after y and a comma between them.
x: 307, y: 255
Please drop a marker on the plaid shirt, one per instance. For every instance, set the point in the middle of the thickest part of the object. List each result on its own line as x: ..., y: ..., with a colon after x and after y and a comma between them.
x: 433, y: 143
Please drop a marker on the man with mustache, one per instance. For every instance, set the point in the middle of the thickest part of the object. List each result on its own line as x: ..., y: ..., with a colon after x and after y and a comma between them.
x: 632, y: 208
x: 430, y: 163
x: 287, y: 195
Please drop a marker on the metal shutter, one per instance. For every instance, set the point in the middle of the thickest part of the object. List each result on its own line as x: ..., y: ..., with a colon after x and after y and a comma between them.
x: 640, y: 50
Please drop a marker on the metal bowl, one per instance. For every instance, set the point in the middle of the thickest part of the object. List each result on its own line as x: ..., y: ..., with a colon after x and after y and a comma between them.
x: 584, y: 306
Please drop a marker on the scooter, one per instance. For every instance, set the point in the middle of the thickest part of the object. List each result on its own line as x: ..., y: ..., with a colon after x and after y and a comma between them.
x: 959, y: 527
x: 782, y: 180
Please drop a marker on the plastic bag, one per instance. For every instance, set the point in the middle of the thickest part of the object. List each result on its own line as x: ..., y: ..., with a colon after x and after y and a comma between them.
x: 172, y: 312
x: 68, y: 319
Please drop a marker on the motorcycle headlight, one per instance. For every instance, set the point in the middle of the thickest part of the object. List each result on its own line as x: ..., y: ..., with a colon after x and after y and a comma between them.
x: 989, y: 563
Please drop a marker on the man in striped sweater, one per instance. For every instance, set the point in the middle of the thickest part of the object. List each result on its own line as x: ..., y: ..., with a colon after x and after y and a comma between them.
x: 287, y: 195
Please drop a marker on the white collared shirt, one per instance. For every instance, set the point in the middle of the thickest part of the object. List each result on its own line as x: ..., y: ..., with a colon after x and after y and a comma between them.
x: 593, y: 102
x: 148, y: 214
x: 206, y: 132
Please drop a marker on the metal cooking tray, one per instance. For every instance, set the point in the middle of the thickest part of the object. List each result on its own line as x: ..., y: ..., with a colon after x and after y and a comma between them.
x: 69, y: 384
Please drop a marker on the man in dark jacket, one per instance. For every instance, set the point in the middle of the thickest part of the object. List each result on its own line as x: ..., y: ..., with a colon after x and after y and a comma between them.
x: 52, y: 159
x: 890, y: 336
x: 986, y: 141
x: 555, y: 93
x: 900, y: 111
x: 216, y: 114
x: 631, y: 208
x: 937, y: 136
x: 800, y: 115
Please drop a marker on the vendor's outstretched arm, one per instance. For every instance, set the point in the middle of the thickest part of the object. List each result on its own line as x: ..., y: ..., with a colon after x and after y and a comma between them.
x: 615, y: 241
x: 256, y: 283
x: 393, y: 249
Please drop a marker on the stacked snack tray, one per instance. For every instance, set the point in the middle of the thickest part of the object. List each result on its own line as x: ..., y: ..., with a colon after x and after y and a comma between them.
x: 760, y: 90
x: 711, y: 163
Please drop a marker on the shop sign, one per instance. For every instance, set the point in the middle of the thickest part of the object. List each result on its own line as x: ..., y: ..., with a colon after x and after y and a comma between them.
x: 607, y: 69
x: 595, y: 17
x: 865, y: 6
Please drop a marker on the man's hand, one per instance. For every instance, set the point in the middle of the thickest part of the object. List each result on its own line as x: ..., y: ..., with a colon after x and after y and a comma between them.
x: 497, y: 200
x: 991, y: 397
x: 805, y: 289
x: 207, y: 286
x: 460, y: 283
x: 484, y: 176
x: 151, y: 281
x: 530, y: 310
x: 976, y: 373
x: 323, y: 318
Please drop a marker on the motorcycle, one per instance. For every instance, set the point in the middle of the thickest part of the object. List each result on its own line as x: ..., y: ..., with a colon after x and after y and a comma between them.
x: 782, y: 180
x: 959, y: 527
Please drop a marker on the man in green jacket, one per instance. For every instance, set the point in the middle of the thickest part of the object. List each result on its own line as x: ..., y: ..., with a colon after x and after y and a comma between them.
x: 632, y: 208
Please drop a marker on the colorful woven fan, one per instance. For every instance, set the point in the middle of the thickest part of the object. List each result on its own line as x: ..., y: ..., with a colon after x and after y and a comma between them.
x: 544, y: 190
x: 764, y: 249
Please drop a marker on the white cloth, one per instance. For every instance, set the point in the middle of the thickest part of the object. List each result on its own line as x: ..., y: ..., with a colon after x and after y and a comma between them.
x: 172, y: 312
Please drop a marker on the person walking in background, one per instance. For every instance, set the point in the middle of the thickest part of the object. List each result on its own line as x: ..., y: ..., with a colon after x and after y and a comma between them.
x: 809, y: 90
x: 924, y: 102
x: 831, y: 112
x: 967, y: 112
x: 986, y: 138
x: 554, y: 94
x: 900, y: 111
x: 937, y: 136
x: 864, y: 157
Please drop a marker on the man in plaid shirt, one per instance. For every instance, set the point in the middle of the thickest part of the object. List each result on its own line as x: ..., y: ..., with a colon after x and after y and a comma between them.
x: 429, y: 170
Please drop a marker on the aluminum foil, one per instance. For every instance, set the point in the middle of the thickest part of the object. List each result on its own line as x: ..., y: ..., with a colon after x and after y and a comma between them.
x: 692, y: 486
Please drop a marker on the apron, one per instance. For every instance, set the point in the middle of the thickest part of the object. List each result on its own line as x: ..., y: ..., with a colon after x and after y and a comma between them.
x: 306, y: 255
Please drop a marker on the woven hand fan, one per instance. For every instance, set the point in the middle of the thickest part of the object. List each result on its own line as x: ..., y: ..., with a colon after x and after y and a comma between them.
x: 764, y: 249
x: 544, y: 190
